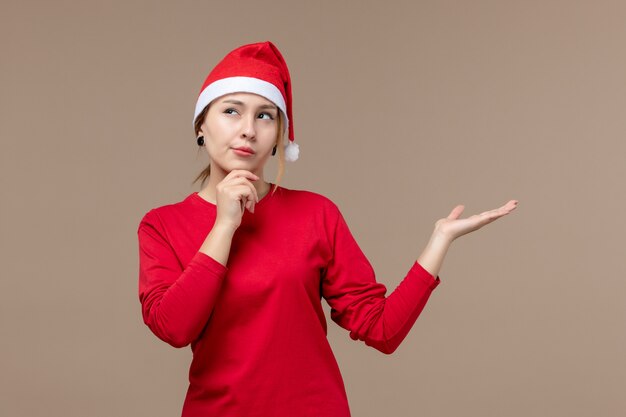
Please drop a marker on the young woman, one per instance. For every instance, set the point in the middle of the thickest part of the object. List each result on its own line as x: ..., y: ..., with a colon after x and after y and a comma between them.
x: 238, y: 269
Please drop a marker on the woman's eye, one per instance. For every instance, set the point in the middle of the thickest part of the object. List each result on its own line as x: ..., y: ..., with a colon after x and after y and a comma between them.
x: 234, y: 111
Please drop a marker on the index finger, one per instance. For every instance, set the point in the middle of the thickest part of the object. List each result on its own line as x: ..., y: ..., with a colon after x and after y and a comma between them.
x: 499, y: 212
x: 235, y: 173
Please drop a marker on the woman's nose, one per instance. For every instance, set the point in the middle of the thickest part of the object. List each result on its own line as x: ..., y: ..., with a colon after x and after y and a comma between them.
x: 249, y: 127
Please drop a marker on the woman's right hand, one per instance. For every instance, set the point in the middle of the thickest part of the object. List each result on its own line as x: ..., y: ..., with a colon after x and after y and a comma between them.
x: 234, y: 194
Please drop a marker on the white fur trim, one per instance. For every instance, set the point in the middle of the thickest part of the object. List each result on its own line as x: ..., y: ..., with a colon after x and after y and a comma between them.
x: 241, y: 84
x: 292, y: 151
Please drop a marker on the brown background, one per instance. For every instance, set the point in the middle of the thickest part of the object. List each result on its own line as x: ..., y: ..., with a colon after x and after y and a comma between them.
x: 402, y: 110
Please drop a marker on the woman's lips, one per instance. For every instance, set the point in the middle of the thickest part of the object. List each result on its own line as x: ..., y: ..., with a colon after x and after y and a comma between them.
x: 243, y: 151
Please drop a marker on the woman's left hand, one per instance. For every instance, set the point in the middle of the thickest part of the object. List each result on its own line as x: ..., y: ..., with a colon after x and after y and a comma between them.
x: 452, y: 227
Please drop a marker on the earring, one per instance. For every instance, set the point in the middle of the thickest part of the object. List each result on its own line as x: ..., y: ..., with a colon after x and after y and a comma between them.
x: 274, y: 150
x: 200, y: 140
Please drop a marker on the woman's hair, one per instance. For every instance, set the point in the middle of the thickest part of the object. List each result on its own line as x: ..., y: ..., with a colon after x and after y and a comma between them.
x: 279, y: 147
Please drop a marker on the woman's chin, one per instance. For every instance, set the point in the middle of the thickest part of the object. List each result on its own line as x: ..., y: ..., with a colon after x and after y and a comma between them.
x: 237, y: 163
x: 247, y: 166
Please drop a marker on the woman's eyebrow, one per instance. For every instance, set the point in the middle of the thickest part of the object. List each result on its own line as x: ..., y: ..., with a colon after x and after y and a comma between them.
x: 263, y: 106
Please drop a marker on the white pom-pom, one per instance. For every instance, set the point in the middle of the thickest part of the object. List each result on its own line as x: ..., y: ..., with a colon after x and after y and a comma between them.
x: 292, y: 151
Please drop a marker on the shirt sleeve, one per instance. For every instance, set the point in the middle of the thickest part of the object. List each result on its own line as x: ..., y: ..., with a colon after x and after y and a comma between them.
x: 358, y: 303
x: 176, y: 303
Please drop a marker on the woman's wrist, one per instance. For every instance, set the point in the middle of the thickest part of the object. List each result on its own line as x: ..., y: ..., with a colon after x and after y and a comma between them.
x: 222, y: 228
x: 433, y: 254
x: 440, y: 238
x: 218, y: 241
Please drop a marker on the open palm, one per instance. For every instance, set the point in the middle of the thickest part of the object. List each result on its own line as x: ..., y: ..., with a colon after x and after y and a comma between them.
x: 453, y: 227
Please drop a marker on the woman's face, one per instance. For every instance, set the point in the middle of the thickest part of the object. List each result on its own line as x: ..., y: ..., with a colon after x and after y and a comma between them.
x: 240, y: 120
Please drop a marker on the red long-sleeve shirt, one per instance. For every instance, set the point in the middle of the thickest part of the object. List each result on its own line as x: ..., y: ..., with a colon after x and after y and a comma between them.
x: 256, y: 326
